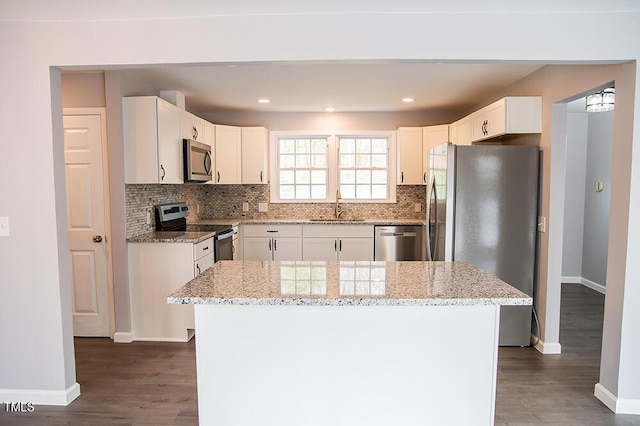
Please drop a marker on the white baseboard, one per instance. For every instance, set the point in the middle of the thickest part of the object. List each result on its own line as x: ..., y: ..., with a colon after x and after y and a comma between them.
x: 615, y: 404
x: 120, y: 337
x: 41, y: 397
x: 547, y: 348
x: 585, y: 282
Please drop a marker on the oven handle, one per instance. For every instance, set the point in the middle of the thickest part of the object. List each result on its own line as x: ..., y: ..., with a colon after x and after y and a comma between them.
x: 224, y: 235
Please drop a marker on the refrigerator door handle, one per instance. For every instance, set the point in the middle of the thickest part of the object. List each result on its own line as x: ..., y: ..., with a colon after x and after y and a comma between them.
x: 437, y: 223
x: 430, y: 201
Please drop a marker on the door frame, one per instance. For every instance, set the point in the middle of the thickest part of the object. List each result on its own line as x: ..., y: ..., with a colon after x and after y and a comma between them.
x: 102, y: 112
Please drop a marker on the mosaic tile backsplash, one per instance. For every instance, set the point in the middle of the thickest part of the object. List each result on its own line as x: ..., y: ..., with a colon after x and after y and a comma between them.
x: 225, y: 201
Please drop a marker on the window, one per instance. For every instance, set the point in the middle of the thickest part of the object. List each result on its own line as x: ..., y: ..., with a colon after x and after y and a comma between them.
x: 363, y: 168
x: 310, y: 168
x: 302, y: 169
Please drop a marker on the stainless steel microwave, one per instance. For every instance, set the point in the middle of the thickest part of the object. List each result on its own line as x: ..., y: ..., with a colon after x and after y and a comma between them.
x: 197, y: 161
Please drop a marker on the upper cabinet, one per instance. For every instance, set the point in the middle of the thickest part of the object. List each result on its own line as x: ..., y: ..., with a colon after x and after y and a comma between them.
x: 432, y: 136
x: 255, y: 155
x: 193, y: 127
x: 511, y: 115
x: 463, y: 130
x: 228, y: 155
x: 409, y: 142
x: 152, y: 140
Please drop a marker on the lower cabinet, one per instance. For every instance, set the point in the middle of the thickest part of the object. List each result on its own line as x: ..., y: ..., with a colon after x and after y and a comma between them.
x: 272, y: 242
x: 337, y: 242
x: 155, y: 271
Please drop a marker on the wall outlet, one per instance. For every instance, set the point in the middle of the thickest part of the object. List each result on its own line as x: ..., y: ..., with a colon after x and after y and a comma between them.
x: 245, y: 207
x: 148, y: 218
x: 198, y: 208
x: 4, y: 226
x: 262, y: 207
x: 417, y: 207
x: 542, y: 224
x: 599, y: 186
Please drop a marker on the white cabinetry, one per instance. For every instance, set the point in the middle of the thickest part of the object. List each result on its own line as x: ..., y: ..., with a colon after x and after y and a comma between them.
x: 237, y: 243
x: 272, y: 242
x: 463, y: 131
x: 255, y: 155
x: 409, y: 156
x: 228, y: 155
x: 193, y: 127
x: 337, y: 242
x: 155, y: 271
x: 511, y: 115
x: 152, y: 140
x: 432, y: 136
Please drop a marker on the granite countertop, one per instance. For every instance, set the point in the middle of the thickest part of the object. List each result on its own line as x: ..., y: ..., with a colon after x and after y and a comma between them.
x: 347, y: 284
x: 314, y: 221
x: 170, y: 237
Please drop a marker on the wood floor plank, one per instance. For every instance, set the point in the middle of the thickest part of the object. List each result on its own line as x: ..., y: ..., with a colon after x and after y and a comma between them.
x: 152, y: 383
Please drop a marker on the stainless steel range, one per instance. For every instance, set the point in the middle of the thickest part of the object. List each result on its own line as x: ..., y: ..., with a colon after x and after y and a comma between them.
x: 172, y: 217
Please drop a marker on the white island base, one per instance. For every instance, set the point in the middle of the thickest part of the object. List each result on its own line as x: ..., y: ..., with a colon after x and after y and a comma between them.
x: 346, y: 365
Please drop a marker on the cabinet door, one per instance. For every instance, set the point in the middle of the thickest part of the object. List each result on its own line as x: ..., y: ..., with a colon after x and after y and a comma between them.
x: 228, y: 155
x: 464, y: 131
x: 254, y: 155
x: 319, y: 248
x: 432, y: 136
x: 192, y: 127
x: 409, y: 156
x: 286, y: 249
x: 209, y: 134
x: 355, y: 249
x: 257, y: 248
x: 169, y: 144
x: 489, y: 121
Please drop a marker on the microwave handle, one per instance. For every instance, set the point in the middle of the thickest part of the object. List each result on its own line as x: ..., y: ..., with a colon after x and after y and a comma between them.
x: 207, y: 162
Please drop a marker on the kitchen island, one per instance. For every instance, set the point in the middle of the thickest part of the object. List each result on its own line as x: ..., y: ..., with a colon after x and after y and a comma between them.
x: 346, y: 343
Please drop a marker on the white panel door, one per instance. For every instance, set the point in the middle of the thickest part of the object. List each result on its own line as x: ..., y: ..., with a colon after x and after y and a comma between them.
x: 86, y: 220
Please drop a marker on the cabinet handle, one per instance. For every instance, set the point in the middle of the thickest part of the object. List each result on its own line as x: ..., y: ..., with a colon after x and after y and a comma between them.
x: 401, y: 176
x: 335, y: 245
x: 163, y: 172
x: 269, y: 244
x: 195, y: 133
x: 272, y: 231
x: 260, y: 175
x: 218, y: 176
x: 205, y: 248
x: 424, y: 177
x: 275, y: 245
x: 340, y: 245
x: 198, y: 268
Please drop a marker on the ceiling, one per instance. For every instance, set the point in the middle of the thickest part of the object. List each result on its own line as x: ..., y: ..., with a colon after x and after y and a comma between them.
x: 346, y: 85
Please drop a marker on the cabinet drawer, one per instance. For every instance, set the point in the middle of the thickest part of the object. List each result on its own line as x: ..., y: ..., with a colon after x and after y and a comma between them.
x: 203, y: 264
x: 338, y: 231
x: 203, y: 248
x: 272, y: 230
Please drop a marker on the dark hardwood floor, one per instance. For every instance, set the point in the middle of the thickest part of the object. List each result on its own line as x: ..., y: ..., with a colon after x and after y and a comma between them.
x: 147, y: 383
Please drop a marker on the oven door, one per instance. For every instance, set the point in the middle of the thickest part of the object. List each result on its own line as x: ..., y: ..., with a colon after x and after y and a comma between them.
x: 223, y: 245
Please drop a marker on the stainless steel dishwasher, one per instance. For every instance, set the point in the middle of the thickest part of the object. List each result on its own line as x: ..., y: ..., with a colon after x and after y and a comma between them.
x: 399, y: 243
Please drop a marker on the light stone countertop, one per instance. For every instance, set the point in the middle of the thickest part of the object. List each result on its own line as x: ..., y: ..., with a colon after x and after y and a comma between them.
x: 170, y: 237
x: 347, y: 284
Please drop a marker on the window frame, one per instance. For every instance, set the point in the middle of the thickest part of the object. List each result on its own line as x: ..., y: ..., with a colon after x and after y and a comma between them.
x: 332, y: 164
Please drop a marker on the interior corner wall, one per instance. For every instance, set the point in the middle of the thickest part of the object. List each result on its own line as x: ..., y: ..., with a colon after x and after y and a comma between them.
x: 597, y: 204
x: 572, y: 241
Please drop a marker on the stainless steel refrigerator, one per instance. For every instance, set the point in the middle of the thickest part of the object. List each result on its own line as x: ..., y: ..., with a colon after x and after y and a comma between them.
x: 482, y: 208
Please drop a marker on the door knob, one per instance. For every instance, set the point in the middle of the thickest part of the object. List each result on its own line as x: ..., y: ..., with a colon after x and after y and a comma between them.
x: 97, y: 239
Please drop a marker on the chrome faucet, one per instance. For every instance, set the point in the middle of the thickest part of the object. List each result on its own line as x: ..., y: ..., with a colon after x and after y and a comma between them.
x: 338, y: 210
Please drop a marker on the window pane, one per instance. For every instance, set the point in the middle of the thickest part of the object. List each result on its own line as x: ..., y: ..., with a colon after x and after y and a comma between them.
x: 319, y: 146
x: 379, y: 161
x: 379, y: 176
x: 302, y: 161
x: 287, y: 192
x: 379, y: 146
x: 363, y: 191
x: 363, y: 160
x: 348, y: 191
x: 363, y: 176
x: 347, y: 176
x: 286, y: 177
x: 347, y: 160
x: 347, y: 146
x: 363, y: 146
x: 319, y: 176
x: 379, y: 191
x: 319, y: 161
x: 287, y: 146
x: 287, y: 161
x: 303, y: 146
x: 303, y: 191
x: 303, y: 176
x: 318, y: 192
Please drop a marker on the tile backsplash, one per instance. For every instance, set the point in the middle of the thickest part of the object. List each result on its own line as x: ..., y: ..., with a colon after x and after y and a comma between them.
x: 225, y: 201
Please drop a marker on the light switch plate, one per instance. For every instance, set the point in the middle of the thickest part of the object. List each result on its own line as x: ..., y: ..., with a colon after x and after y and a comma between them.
x: 4, y: 226
x: 245, y: 207
x: 262, y: 207
x: 417, y: 207
x: 542, y: 224
x: 599, y: 186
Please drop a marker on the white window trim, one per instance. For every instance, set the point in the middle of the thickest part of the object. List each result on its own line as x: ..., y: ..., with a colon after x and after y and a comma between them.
x: 332, y: 163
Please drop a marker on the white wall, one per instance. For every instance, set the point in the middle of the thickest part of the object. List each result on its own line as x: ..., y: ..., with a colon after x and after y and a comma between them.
x: 574, y: 195
x: 37, y: 300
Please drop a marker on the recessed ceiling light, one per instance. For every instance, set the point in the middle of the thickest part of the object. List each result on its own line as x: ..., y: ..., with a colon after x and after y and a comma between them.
x: 408, y: 99
x: 264, y: 101
x: 329, y: 109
